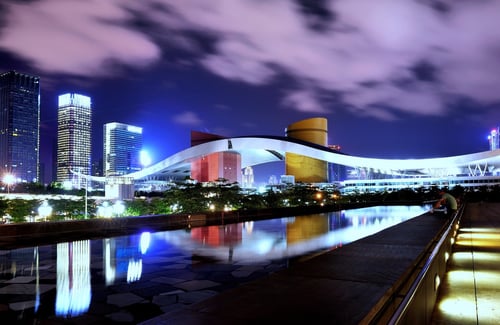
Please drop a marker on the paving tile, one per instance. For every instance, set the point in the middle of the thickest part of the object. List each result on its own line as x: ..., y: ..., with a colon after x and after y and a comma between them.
x: 163, y: 300
x: 26, y: 289
x: 21, y: 279
x: 121, y: 317
x: 194, y: 285
x: 124, y: 299
x: 22, y: 305
x: 195, y: 296
x: 167, y: 280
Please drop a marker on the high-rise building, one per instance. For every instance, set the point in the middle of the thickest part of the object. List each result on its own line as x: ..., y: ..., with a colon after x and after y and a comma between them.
x: 20, y: 126
x: 74, y: 135
x: 122, y: 148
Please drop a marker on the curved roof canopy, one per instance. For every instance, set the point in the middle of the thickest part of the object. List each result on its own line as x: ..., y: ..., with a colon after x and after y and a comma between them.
x: 257, y: 150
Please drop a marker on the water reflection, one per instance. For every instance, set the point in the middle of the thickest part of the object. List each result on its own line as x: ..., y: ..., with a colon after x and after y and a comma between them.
x: 123, y: 257
x: 288, y: 237
x: 69, y: 276
x: 73, y: 278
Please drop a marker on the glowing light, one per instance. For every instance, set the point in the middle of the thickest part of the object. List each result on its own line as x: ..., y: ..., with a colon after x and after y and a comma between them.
x: 437, y: 282
x: 73, y: 294
x: 67, y: 185
x: 105, y: 210
x: 9, y: 179
x: 134, y: 270
x: 145, y: 241
x: 74, y: 100
x: 459, y: 308
x: 45, y: 210
x: 118, y: 208
x: 144, y: 158
x: 446, y: 256
x: 134, y: 129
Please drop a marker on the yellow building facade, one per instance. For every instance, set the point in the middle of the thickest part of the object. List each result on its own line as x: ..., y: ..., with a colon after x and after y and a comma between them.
x: 305, y: 169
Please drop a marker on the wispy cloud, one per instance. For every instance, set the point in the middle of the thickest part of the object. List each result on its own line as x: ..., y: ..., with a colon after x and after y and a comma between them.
x: 383, y: 57
x: 83, y: 38
x: 187, y: 118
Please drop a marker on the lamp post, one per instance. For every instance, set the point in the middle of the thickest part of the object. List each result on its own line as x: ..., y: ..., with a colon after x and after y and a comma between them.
x: 9, y: 179
x: 44, y: 210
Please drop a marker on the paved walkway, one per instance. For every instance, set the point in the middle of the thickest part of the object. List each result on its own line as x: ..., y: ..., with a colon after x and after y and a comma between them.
x: 344, y: 286
x: 470, y: 292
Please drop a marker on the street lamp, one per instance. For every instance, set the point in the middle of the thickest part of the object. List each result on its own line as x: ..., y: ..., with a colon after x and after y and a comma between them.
x: 9, y: 179
x: 118, y: 208
x: 44, y: 210
x: 105, y: 210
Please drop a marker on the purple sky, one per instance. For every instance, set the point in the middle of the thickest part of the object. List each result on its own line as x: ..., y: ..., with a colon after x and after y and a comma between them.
x: 394, y: 78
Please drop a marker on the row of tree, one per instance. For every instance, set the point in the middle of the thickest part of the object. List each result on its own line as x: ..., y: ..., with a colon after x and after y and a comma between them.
x: 219, y: 196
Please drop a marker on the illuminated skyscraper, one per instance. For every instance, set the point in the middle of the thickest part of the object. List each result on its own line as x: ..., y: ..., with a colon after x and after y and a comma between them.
x: 122, y: 148
x: 74, y: 135
x: 494, y: 139
x: 19, y: 126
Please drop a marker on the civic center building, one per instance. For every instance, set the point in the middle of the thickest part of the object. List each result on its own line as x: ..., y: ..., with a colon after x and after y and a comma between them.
x: 309, y: 159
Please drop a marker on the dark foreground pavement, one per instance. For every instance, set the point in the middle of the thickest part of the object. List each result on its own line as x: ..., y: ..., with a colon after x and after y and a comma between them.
x: 349, y: 285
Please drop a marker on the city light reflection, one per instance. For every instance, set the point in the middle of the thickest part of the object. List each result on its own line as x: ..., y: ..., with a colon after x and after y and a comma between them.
x: 73, y: 278
x: 275, y: 239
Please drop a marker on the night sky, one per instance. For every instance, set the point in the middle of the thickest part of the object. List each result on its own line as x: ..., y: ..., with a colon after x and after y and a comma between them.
x: 394, y: 78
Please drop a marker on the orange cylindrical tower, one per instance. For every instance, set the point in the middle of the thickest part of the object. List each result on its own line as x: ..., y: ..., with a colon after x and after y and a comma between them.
x: 305, y: 169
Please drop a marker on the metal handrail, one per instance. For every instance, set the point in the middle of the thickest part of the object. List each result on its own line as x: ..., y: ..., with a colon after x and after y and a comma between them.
x: 403, y: 306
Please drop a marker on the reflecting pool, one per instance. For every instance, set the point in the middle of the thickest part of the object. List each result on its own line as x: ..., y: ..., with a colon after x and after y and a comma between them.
x: 133, y: 278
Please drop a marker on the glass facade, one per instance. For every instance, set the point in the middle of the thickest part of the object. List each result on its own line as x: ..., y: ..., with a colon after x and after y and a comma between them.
x: 19, y: 126
x: 74, y: 135
x: 122, y: 148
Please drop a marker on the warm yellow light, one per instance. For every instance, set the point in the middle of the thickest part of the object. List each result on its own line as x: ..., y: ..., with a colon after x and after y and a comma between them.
x: 482, y: 239
x: 437, y: 282
x: 491, y: 230
x: 460, y: 309
x: 446, y: 256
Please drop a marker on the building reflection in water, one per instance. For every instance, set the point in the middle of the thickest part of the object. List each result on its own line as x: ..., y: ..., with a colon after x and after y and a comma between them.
x: 73, y: 278
x: 123, y: 257
x: 288, y: 237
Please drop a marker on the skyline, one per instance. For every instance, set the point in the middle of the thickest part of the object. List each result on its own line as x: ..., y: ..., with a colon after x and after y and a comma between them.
x: 396, y: 79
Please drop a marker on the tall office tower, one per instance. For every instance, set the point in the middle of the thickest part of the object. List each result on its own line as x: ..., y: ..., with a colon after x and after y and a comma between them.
x: 74, y: 135
x: 20, y: 126
x: 122, y: 147
x: 494, y: 139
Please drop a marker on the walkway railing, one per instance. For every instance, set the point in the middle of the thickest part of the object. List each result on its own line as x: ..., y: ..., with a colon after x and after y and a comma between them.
x: 418, y: 303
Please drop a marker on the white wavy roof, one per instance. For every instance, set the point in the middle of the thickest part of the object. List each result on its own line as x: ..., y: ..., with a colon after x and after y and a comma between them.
x: 260, y: 150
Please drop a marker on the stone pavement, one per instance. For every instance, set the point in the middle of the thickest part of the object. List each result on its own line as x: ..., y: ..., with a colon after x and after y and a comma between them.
x: 343, y: 286
x: 470, y: 292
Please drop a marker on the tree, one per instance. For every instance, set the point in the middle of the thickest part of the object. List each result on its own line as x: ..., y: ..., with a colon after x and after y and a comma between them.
x: 18, y: 209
